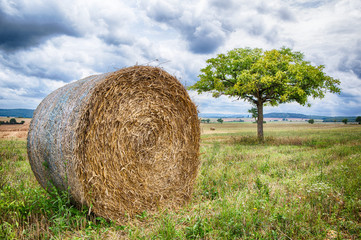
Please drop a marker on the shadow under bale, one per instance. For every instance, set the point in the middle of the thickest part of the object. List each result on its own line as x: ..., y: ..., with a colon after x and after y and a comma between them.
x: 120, y: 143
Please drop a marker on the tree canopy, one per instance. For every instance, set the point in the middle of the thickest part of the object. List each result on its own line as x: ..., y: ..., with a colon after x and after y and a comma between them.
x: 358, y: 119
x: 265, y: 77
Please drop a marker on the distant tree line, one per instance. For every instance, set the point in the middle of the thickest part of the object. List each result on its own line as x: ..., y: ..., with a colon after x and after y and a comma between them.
x: 12, y: 122
x: 358, y: 119
x: 341, y: 119
x: 253, y: 111
x: 205, y: 120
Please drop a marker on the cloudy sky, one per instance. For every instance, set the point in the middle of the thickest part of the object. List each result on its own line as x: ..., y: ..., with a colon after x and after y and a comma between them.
x: 45, y: 44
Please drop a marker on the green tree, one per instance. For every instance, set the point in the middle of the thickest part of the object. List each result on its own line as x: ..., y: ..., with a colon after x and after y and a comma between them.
x: 311, y: 121
x: 254, y: 113
x: 345, y: 120
x: 358, y: 119
x: 264, y: 77
x: 220, y: 120
x: 208, y: 120
x: 13, y: 121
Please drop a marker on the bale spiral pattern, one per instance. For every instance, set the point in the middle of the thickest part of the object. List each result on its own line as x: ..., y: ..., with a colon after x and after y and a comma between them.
x: 121, y: 142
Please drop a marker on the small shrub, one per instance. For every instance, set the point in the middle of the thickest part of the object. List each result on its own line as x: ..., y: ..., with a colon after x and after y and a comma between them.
x: 358, y: 119
x: 13, y: 121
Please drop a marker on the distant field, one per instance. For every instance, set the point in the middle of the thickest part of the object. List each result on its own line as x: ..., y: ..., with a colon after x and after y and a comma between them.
x: 249, y: 128
x: 18, y: 131
x: 303, y: 182
x: 268, y: 120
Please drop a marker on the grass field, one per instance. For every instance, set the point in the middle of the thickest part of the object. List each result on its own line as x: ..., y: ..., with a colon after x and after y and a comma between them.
x: 303, y: 182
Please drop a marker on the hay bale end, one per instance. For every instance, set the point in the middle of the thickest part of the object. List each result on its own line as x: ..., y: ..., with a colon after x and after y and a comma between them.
x: 121, y: 142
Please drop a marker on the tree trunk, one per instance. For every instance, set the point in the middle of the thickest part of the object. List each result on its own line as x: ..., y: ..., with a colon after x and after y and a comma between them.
x: 260, y: 121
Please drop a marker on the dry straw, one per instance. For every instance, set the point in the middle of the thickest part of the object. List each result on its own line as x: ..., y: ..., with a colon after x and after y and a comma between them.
x: 120, y: 143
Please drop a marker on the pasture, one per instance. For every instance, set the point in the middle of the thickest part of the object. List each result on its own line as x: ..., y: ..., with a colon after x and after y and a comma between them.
x: 303, y: 182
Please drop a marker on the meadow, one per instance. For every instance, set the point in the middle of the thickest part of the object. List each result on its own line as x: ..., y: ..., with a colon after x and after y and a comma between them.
x: 303, y: 182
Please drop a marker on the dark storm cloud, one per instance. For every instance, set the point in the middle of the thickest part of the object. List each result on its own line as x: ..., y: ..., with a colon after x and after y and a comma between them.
x: 312, y: 3
x: 38, y: 69
x: 350, y: 111
x: 348, y: 95
x: 348, y: 98
x: 285, y: 14
x: 351, y: 62
x: 223, y: 4
x: 204, y: 44
x: 10, y: 85
x: 18, y: 32
x: 256, y: 28
x: 272, y: 35
x: 355, y: 66
x: 201, y: 35
x: 112, y: 39
x: 34, y: 93
x: 204, y: 39
x: 43, y: 72
x: 163, y: 13
x: 259, y: 28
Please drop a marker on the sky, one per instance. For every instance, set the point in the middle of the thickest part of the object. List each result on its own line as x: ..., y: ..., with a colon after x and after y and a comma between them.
x: 45, y: 44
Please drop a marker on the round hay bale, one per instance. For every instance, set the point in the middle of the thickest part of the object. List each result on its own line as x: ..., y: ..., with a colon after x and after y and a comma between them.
x: 120, y: 143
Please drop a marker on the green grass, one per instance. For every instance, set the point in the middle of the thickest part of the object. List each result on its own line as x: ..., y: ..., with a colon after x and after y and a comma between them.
x: 303, y: 182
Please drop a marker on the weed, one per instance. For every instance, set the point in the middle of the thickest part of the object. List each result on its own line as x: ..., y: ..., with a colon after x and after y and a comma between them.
x: 167, y: 229
x: 198, y: 230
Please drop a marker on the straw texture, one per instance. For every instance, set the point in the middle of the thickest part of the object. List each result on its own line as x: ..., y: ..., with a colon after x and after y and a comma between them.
x: 121, y: 142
